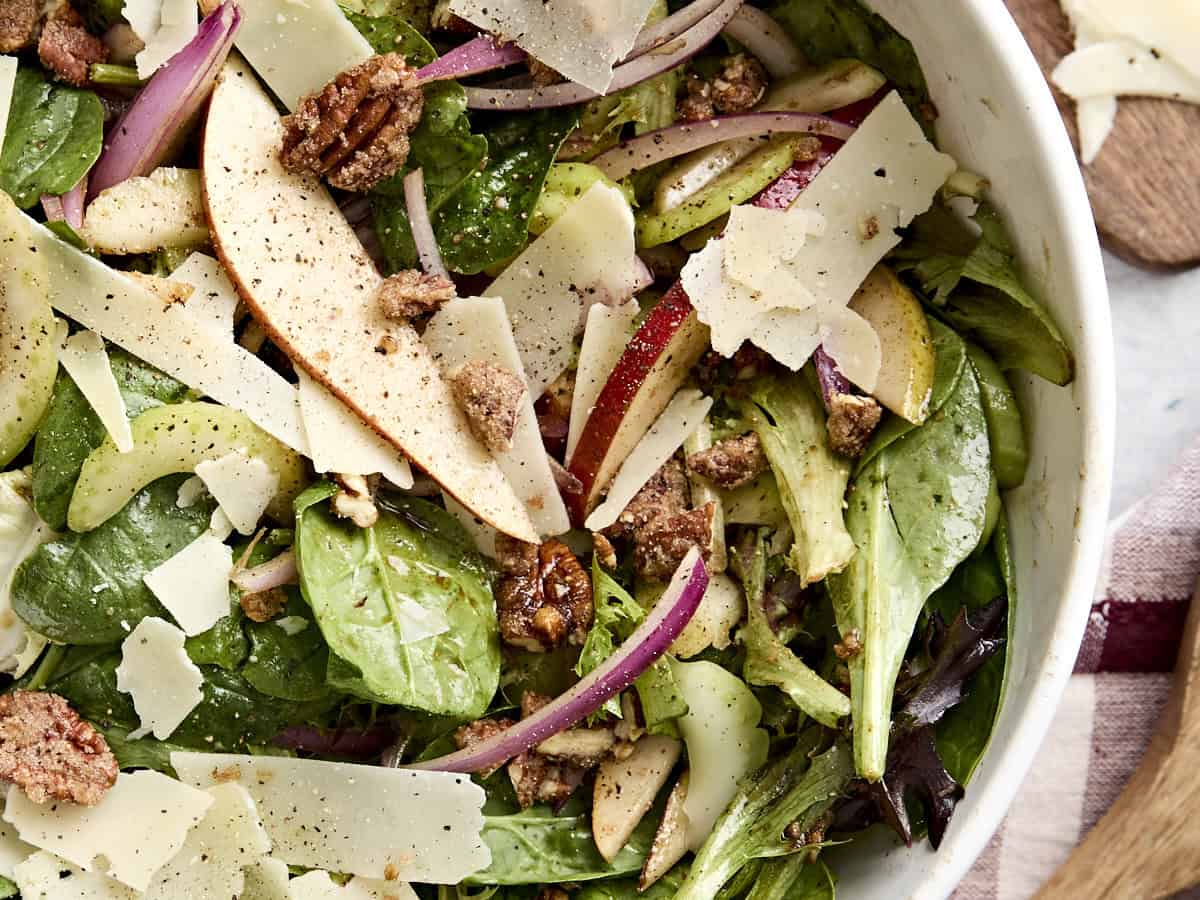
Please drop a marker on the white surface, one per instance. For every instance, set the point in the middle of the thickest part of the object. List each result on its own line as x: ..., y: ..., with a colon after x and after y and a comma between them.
x: 998, y: 118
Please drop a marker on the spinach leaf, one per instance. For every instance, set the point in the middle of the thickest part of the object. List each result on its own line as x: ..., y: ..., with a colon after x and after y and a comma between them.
x: 71, y: 429
x: 87, y: 588
x: 54, y: 135
x: 916, y: 511
x: 358, y: 581
x: 289, y: 657
x: 417, y: 12
x: 143, y: 753
x: 102, y: 14
x: 836, y: 29
x: 627, y: 889
x: 538, y: 847
x: 223, y: 645
x: 1006, y: 430
x: 974, y: 283
x: 390, y: 33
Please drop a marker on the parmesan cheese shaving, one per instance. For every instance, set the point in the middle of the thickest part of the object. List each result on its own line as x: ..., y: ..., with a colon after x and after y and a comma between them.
x: 682, y: 416
x: 86, y: 361
x: 8, y: 80
x: 607, y: 332
x: 1095, y: 117
x: 581, y: 39
x: 341, y: 442
x: 140, y: 824
x: 363, y: 820
x: 266, y: 879
x: 483, y: 535
x: 13, y: 850
x: 1124, y: 68
x: 477, y: 328
x: 213, y: 301
x: 164, y: 26
x: 146, y: 213
x: 44, y: 876
x: 1170, y: 27
x: 243, y: 485
x: 319, y: 886
x: 158, y: 675
x: 193, y: 584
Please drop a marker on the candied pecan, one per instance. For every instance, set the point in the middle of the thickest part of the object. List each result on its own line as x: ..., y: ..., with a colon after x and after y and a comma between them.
x: 542, y: 74
x: 732, y: 462
x: 666, y: 493
x: 354, y: 131
x: 697, y: 103
x: 740, y: 86
x: 540, y: 778
x: 66, y: 47
x: 263, y: 606
x: 355, y: 501
x: 19, y: 22
x: 852, y: 421
x: 476, y: 732
x: 411, y: 294
x: 51, y: 753
x: 490, y: 395
x: 544, y: 596
x: 661, y: 544
x: 605, y: 552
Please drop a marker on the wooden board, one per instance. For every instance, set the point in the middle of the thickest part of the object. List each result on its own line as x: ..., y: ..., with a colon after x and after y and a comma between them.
x: 1145, y: 184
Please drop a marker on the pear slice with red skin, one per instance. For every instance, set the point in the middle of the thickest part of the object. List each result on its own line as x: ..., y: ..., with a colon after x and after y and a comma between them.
x: 305, y: 276
x: 653, y: 366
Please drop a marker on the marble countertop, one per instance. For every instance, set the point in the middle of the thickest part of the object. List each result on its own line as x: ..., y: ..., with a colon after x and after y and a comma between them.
x: 1156, y: 328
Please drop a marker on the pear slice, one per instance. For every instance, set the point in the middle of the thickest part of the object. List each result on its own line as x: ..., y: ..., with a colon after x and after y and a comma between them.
x: 304, y: 275
x: 905, y: 379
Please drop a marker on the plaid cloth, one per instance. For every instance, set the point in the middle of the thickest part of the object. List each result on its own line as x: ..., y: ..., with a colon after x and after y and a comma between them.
x: 1113, y: 701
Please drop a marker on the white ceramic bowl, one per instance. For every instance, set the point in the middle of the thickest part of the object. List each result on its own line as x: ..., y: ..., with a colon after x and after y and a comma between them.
x: 997, y: 117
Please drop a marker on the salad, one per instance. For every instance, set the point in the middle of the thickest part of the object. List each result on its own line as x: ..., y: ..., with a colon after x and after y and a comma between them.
x: 490, y: 448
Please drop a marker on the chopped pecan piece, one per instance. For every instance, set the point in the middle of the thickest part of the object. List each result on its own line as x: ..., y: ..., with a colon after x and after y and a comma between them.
x: 604, y: 550
x: 19, y: 22
x: 696, y: 105
x: 355, y: 501
x: 852, y: 420
x: 740, y: 86
x: 354, y: 131
x: 411, y: 294
x: 661, y: 544
x: 66, y: 47
x: 51, y: 753
x: 478, y: 731
x: 490, y: 395
x: 544, y: 596
x: 732, y: 462
x: 665, y: 494
x: 263, y: 606
x: 540, y: 778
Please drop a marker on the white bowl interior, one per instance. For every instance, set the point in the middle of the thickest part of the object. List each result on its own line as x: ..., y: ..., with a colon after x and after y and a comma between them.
x: 998, y: 119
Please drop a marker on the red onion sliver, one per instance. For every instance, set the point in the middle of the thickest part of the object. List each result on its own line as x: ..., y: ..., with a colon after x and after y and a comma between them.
x: 272, y: 574
x: 481, y: 54
x: 765, y: 38
x: 164, y: 109
x: 422, y: 227
x: 72, y: 204
x: 829, y: 376
x: 630, y: 73
x: 654, y: 36
x: 675, y: 140
x: 647, y: 643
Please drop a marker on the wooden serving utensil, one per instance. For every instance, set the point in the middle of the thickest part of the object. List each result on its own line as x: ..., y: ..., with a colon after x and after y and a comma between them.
x: 1145, y: 184
x: 1148, y: 844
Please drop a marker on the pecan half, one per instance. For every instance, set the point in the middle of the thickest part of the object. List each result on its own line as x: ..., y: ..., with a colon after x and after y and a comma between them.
x: 552, y: 771
x: 732, y: 462
x: 50, y: 752
x: 666, y: 493
x: 662, y: 543
x: 740, y: 86
x: 852, y: 420
x: 696, y: 105
x: 19, y: 21
x: 354, y: 131
x: 66, y: 47
x: 411, y: 294
x: 263, y: 606
x: 490, y: 395
x: 544, y: 597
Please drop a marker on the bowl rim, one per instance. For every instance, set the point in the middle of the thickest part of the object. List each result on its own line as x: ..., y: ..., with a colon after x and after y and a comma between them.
x: 1096, y: 393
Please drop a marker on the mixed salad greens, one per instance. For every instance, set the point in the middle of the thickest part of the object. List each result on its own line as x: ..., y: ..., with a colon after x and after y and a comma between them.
x: 565, y: 442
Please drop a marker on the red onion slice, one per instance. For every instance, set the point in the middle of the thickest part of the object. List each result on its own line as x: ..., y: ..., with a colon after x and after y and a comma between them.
x: 481, y: 54
x: 675, y: 140
x: 654, y: 36
x: 765, y: 38
x: 272, y: 574
x: 422, y: 228
x: 644, y: 67
x: 164, y: 109
x: 68, y: 207
x: 650, y: 641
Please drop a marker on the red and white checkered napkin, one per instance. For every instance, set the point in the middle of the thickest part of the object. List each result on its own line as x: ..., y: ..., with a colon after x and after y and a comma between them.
x: 1113, y: 701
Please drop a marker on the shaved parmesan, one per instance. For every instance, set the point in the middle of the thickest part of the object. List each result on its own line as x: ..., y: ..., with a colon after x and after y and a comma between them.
x: 167, y: 336
x: 1171, y: 27
x: 86, y: 361
x: 682, y: 416
x: 193, y: 584
x: 266, y: 879
x: 21, y: 532
x: 137, y: 828
x: 213, y: 301
x: 8, y: 80
x: 588, y: 254
x: 146, y: 213
x: 190, y: 492
x: 243, y: 485
x: 209, y: 865
x: 1095, y: 117
x: 299, y: 47
x: 339, y: 441
x: 468, y: 329
x: 44, y: 876
x: 165, y: 27
x: 605, y: 336
x: 361, y: 820
x: 581, y: 39
x: 219, y: 525
x: 854, y: 345
x: 158, y: 675
x: 1123, y: 68
x: 13, y: 850
x: 319, y: 886
x: 759, y: 242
